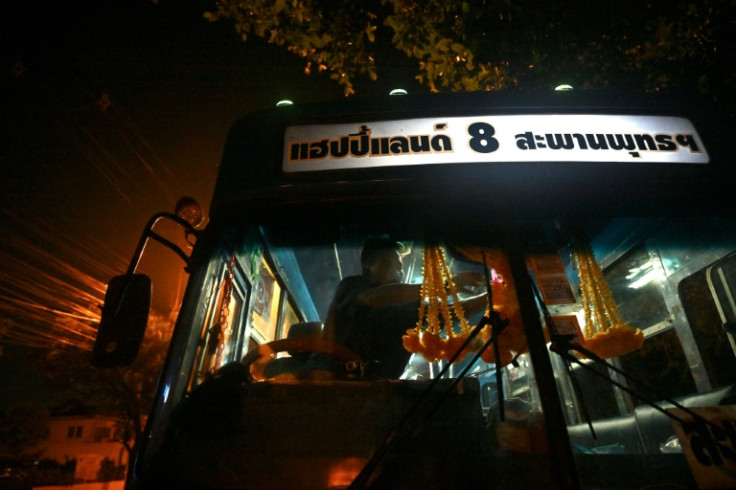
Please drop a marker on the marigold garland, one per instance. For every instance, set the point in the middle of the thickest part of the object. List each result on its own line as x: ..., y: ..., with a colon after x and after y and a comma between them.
x: 605, y: 333
x: 426, y: 339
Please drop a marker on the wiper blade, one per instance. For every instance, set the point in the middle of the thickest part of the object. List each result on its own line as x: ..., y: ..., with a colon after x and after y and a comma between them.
x: 497, y: 325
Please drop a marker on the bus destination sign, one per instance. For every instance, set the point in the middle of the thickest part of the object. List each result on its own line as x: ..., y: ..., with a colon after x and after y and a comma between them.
x: 505, y: 138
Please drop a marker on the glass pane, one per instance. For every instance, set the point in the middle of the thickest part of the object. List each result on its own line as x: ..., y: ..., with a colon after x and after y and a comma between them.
x: 633, y: 280
x: 230, y: 318
x: 290, y: 318
x: 266, y: 303
x: 221, y: 333
x: 220, y: 310
x: 707, y: 319
x: 444, y: 405
x: 484, y: 408
x: 649, y: 275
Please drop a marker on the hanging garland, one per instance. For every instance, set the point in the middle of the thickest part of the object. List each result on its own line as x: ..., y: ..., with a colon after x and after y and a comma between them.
x: 437, y: 286
x: 427, y: 338
x: 605, y: 333
x: 512, y: 339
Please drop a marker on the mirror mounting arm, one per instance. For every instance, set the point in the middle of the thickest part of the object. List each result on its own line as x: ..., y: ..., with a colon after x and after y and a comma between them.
x: 149, y: 233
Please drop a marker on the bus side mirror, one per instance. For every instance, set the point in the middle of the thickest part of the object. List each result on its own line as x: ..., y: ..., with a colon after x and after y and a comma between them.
x: 123, y: 322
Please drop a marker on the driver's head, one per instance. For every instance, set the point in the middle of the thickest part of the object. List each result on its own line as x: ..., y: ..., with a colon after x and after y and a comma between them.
x: 381, y: 261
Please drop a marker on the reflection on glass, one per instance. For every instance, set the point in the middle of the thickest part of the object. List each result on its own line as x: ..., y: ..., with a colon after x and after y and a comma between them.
x: 266, y: 303
x: 635, y: 280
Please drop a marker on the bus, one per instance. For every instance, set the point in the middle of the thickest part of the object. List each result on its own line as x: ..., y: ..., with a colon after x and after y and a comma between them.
x: 571, y: 258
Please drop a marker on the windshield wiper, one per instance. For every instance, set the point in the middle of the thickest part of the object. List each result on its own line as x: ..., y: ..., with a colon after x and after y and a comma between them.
x: 402, y: 433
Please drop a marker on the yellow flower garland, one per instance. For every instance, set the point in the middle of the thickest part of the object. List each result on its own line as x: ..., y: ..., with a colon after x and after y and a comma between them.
x: 605, y: 333
x: 425, y: 338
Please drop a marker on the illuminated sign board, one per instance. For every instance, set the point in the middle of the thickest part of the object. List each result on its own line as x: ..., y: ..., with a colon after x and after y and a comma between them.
x: 488, y: 139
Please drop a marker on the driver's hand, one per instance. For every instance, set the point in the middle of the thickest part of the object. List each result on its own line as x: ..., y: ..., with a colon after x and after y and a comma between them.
x: 469, y: 282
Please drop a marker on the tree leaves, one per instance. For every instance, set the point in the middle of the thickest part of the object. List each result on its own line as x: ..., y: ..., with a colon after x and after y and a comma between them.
x: 495, y: 44
x: 123, y: 392
x: 22, y: 428
x: 334, y: 38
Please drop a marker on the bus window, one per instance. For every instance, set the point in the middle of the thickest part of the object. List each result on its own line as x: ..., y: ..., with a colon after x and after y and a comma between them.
x: 634, y: 282
x: 624, y: 420
x: 266, y: 303
x: 232, y: 338
x: 660, y: 286
x: 637, y: 282
x: 290, y: 318
x: 475, y: 409
x: 223, y: 331
x: 707, y: 298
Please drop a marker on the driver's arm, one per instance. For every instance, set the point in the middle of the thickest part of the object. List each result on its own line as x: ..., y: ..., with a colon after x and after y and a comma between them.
x: 400, y: 293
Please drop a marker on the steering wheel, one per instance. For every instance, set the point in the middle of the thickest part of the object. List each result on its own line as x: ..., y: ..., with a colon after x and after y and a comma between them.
x: 256, y: 359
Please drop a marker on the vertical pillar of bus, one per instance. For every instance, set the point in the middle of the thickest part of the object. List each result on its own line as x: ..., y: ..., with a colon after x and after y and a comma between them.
x: 563, y: 464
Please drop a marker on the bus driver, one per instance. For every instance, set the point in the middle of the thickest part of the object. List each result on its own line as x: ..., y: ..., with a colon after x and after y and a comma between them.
x: 370, y: 312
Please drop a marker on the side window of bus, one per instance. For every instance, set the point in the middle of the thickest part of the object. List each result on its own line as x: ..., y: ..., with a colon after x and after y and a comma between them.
x: 640, y: 289
x: 222, y: 335
x: 290, y: 318
x: 708, y: 300
x: 722, y: 284
x: 267, y: 304
x: 641, y: 292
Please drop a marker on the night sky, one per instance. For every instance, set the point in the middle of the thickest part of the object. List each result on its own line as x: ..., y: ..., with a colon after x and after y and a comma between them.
x: 112, y: 110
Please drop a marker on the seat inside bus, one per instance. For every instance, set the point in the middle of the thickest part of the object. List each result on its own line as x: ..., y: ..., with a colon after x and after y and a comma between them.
x: 296, y: 362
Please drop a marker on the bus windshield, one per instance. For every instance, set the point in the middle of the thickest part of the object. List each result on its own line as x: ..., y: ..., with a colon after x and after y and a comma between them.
x: 265, y: 285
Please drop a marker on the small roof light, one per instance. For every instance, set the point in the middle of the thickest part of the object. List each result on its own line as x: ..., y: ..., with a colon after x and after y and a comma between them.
x: 398, y: 91
x: 563, y: 88
x: 284, y: 102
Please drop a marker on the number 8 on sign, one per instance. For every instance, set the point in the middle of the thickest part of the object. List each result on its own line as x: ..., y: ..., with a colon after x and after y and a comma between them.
x: 482, y: 139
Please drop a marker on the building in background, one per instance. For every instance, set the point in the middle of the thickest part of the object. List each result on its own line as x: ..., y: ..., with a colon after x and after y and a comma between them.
x: 89, y: 440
